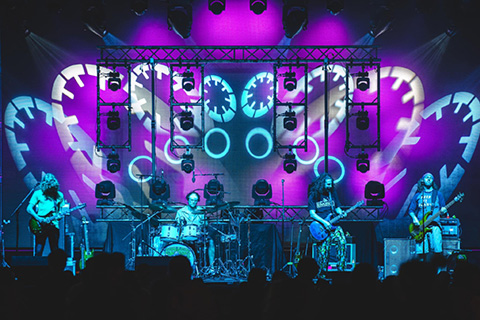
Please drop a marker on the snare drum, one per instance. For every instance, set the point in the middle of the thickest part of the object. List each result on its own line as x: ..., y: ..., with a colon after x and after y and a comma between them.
x: 179, y: 249
x: 190, y: 232
x: 169, y: 233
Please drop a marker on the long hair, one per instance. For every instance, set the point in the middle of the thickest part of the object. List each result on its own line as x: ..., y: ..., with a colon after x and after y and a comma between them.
x: 318, y: 186
x: 49, y: 185
x: 421, y: 185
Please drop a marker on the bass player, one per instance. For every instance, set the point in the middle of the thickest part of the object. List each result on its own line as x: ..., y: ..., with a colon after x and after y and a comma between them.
x: 322, y: 201
x: 428, y: 199
x: 44, y: 207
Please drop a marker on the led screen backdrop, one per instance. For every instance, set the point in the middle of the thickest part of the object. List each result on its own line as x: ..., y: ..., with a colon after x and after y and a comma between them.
x: 429, y: 111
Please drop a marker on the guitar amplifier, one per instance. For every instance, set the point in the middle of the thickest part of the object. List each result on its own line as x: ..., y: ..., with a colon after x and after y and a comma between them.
x: 449, y: 246
x: 333, y: 262
x: 396, y: 252
x: 450, y: 227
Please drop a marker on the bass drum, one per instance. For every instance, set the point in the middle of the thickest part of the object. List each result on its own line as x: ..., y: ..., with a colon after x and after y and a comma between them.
x: 179, y: 249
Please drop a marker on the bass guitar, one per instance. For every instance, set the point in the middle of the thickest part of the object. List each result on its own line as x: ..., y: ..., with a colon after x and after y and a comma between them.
x: 418, y: 232
x: 320, y: 233
x: 86, y: 253
x: 36, y: 227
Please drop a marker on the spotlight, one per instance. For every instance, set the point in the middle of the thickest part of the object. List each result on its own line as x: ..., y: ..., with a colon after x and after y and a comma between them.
x: 363, y: 122
x: 290, y: 163
x: 139, y: 6
x: 295, y: 17
x: 114, y: 82
x: 160, y: 191
x: 374, y: 193
x: 113, y: 120
x: 335, y: 6
x: 363, y: 164
x: 262, y: 193
x: 290, y: 122
x: 93, y: 17
x: 363, y: 82
x: 188, y: 82
x: 258, y: 6
x: 188, y: 164
x: 186, y: 120
x: 216, y: 6
x: 290, y: 82
x: 381, y: 20
x: 179, y: 17
x: 105, y: 192
x: 113, y: 162
x: 213, y: 193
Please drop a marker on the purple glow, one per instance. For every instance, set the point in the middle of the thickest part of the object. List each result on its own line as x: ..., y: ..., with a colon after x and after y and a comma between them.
x: 328, y: 30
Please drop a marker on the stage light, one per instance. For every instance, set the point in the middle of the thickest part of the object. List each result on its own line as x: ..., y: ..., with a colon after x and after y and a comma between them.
x: 258, y: 6
x: 380, y: 21
x: 290, y: 122
x: 213, y: 193
x: 113, y: 162
x: 374, y: 193
x: 363, y: 81
x: 363, y: 122
x: 186, y: 120
x: 179, y: 17
x: 188, y: 164
x: 160, y: 191
x: 290, y: 82
x: 295, y: 17
x: 188, y: 82
x: 363, y: 164
x: 139, y: 6
x: 262, y: 193
x: 335, y: 6
x: 105, y: 192
x: 114, y: 81
x: 93, y: 17
x: 289, y: 162
x: 113, y: 120
x: 216, y: 6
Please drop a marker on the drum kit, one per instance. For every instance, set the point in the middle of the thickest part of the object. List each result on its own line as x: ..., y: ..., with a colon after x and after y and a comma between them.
x: 192, y: 241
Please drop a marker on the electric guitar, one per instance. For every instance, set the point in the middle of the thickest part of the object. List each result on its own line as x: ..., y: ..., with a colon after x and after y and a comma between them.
x: 298, y: 254
x: 86, y: 252
x: 320, y: 233
x: 36, y: 227
x: 418, y: 232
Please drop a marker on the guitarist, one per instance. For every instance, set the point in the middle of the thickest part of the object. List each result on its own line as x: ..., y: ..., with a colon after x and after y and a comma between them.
x: 428, y: 199
x: 323, y: 200
x: 44, y: 205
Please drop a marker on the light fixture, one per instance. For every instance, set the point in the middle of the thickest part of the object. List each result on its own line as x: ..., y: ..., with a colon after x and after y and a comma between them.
x: 113, y: 120
x: 216, y: 6
x: 363, y: 81
x: 213, y: 193
x: 139, y: 7
x: 159, y: 191
x: 363, y: 164
x: 262, y: 193
x: 113, y: 162
x: 289, y: 121
x: 179, y: 17
x: 335, y: 6
x: 93, y: 17
x: 258, y: 6
x: 362, y: 122
x: 186, y: 120
x: 380, y: 21
x: 295, y: 17
x: 290, y: 82
x: 289, y: 162
x: 188, y: 82
x: 188, y: 164
x: 114, y: 81
x: 374, y: 193
x: 105, y: 192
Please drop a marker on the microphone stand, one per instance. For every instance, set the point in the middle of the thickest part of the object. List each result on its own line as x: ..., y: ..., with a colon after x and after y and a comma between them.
x: 15, y: 213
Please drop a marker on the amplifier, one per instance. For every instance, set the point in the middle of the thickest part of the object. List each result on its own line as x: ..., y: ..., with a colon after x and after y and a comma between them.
x: 396, y: 252
x: 333, y: 262
x: 450, y: 245
x: 450, y: 227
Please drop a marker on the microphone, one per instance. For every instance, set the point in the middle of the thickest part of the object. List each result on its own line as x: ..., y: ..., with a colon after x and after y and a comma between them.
x: 193, y: 176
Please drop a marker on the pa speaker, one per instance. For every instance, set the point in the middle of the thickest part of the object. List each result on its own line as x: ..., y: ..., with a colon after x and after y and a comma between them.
x: 396, y: 252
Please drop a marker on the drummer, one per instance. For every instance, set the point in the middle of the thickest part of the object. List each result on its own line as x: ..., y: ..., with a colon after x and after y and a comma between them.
x: 191, y: 214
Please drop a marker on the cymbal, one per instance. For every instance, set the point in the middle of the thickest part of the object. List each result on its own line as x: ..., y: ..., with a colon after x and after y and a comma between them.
x: 161, y: 208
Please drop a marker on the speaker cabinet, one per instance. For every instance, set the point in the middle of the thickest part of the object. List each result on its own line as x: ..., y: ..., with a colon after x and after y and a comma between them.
x: 333, y: 262
x: 396, y: 252
x: 450, y: 246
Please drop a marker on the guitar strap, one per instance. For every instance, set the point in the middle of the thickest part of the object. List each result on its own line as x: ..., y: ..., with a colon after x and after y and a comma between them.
x: 332, y: 206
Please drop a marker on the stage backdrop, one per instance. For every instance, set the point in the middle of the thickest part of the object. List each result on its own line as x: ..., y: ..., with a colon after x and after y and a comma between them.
x: 429, y: 88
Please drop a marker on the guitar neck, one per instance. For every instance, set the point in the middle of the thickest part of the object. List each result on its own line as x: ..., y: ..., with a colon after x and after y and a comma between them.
x: 338, y: 217
x: 438, y: 213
